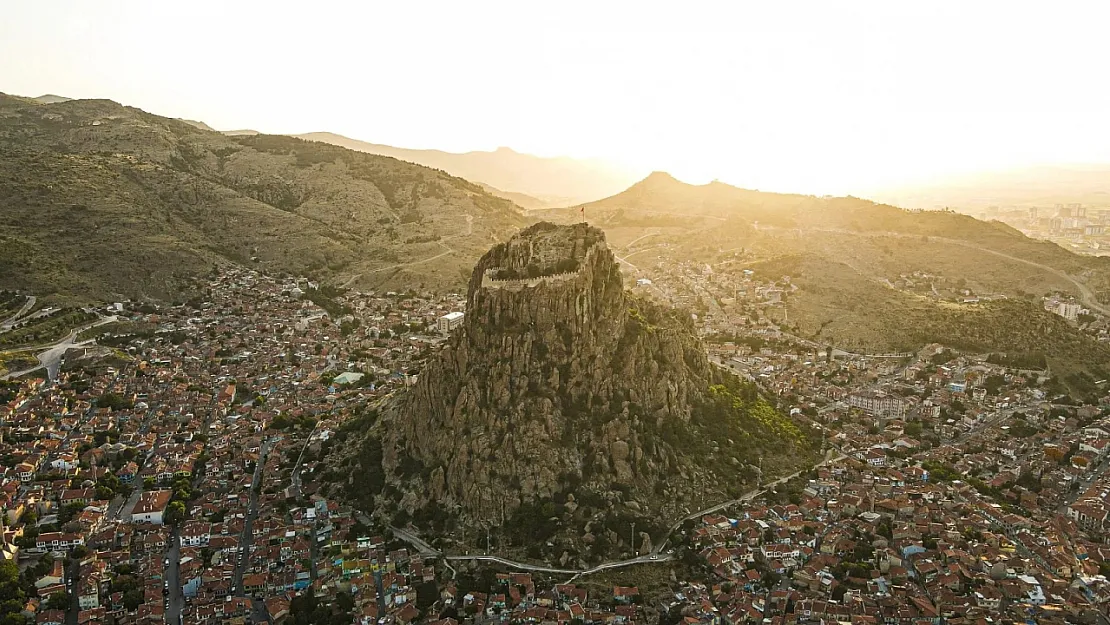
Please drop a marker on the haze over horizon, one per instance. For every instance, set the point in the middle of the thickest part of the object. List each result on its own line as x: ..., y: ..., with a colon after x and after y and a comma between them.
x: 798, y: 97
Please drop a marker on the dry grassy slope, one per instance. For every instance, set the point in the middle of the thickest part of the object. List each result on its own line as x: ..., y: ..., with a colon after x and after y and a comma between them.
x: 102, y: 201
x: 838, y: 305
x: 877, y: 239
x: 840, y: 250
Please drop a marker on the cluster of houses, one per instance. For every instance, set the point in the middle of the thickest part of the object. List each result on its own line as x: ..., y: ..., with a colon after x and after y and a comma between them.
x: 168, y: 470
x: 140, y: 464
x: 866, y: 544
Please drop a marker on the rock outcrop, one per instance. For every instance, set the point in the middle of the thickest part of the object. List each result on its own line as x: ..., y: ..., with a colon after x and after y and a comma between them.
x: 559, y: 382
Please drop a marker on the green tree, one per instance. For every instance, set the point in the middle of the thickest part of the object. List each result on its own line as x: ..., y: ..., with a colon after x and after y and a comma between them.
x: 132, y: 599
x: 175, y: 513
x: 12, y: 594
x: 58, y: 601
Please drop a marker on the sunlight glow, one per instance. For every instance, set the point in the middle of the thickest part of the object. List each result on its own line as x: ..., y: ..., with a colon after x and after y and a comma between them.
x: 813, y: 97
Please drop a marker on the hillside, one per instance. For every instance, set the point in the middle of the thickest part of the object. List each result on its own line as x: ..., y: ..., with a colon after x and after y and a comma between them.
x: 845, y: 255
x: 555, y: 181
x: 836, y: 305
x: 563, y: 403
x: 523, y: 200
x: 876, y: 239
x: 106, y: 201
x: 199, y: 125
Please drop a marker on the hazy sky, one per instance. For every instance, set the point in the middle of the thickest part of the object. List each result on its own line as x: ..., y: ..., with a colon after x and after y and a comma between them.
x: 820, y: 97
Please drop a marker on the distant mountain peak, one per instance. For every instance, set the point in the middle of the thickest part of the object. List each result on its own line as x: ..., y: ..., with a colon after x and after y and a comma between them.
x: 50, y: 98
x: 658, y: 180
x: 660, y: 176
x: 197, y: 124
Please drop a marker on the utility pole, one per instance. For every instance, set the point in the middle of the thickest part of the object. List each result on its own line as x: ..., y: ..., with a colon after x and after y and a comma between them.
x: 633, y: 539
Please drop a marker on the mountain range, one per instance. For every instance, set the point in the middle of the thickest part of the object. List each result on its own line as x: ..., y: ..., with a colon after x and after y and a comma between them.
x: 529, y: 181
x: 105, y: 201
x: 557, y: 181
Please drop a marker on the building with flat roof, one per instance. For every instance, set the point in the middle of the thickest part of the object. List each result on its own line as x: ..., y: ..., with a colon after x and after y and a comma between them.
x: 449, y: 322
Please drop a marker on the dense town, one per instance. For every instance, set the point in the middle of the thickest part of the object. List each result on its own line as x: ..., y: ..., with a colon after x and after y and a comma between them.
x: 1079, y: 227
x: 164, y: 475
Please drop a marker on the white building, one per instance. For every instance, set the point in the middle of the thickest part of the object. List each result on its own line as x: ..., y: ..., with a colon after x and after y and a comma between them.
x: 450, y: 321
x: 878, y: 403
x: 1068, y: 310
x: 57, y: 541
x: 196, y: 534
x: 65, y: 462
x: 1034, y: 593
x: 89, y: 597
x: 151, y: 506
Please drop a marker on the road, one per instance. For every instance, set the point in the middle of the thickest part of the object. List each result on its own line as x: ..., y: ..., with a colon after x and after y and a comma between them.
x: 740, y: 500
x: 176, y: 602
x: 536, y: 568
x: 124, y: 512
x: 10, y: 321
x: 74, y: 573
x: 427, y: 551
x: 243, y: 558
x: 295, y: 476
x: 447, y: 250
x: 513, y: 564
x: 424, y: 548
x: 1084, y: 484
x: 656, y: 555
x: 51, y: 359
x: 652, y: 233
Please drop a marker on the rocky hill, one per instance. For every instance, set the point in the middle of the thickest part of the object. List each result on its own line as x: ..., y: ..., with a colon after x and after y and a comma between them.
x: 103, y: 201
x: 563, y: 396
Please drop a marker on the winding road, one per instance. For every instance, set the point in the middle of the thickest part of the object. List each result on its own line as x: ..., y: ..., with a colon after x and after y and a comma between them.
x: 10, y: 321
x: 447, y: 250
x: 742, y: 499
x: 51, y: 358
x: 656, y: 554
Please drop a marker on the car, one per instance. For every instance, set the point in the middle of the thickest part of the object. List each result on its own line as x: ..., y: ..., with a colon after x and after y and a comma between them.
x: 654, y: 556
x: 166, y: 562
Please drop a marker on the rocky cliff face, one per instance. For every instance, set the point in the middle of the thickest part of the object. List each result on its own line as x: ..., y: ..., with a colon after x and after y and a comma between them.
x: 559, y: 384
x: 548, y: 379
